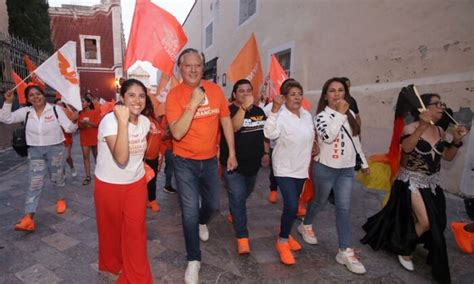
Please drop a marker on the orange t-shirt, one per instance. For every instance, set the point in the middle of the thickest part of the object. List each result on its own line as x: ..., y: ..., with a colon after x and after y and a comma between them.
x: 153, y: 140
x: 200, y: 142
x: 88, y: 135
x: 67, y: 136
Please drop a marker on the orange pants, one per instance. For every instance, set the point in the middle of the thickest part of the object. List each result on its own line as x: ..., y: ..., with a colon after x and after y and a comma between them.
x: 120, y: 213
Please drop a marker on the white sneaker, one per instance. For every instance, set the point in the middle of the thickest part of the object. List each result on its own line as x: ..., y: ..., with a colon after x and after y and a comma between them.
x: 73, y: 172
x: 203, y: 232
x: 191, y: 276
x: 347, y: 257
x: 307, y: 233
x: 407, y: 264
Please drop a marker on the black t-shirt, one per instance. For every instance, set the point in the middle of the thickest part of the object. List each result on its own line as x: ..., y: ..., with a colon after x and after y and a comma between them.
x: 248, y: 141
x: 353, y: 105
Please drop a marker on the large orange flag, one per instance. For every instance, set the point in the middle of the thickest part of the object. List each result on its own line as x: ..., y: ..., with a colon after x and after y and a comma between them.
x: 156, y: 36
x: 20, y: 89
x: 32, y: 67
x: 247, y: 65
x: 277, y: 75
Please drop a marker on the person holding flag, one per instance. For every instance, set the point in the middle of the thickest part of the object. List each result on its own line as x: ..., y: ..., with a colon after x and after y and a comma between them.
x: 416, y: 209
x: 44, y: 136
x: 195, y: 110
x: 252, y: 152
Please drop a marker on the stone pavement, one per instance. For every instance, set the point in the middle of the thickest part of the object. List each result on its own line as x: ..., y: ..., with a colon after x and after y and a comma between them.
x: 64, y: 247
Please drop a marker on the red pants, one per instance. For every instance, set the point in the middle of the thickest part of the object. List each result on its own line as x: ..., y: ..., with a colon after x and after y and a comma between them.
x: 120, y: 213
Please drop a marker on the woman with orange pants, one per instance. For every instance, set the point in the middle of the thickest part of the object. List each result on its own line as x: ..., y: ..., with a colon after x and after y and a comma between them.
x: 89, y: 119
x: 120, y: 187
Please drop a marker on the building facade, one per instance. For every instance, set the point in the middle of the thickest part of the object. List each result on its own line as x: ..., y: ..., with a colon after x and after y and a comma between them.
x: 100, y: 43
x: 380, y: 45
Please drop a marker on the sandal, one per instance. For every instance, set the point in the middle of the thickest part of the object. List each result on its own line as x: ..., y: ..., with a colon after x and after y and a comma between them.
x: 87, y: 180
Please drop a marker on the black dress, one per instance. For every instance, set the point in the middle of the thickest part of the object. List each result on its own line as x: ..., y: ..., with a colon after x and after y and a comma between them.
x: 393, y: 228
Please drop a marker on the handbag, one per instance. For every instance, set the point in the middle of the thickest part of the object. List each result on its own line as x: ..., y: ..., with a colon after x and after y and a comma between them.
x: 19, y: 139
x: 359, y: 162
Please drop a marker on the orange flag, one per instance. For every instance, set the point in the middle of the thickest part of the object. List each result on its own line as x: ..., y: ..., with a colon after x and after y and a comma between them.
x: 156, y: 36
x: 247, y: 65
x: 277, y: 75
x: 107, y: 107
x: 20, y: 89
x: 32, y: 67
x: 164, y: 86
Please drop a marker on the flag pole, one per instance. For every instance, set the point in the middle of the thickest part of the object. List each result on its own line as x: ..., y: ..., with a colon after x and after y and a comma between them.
x: 14, y: 88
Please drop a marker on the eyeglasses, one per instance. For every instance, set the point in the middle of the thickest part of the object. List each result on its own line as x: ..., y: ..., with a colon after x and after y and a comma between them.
x: 438, y: 104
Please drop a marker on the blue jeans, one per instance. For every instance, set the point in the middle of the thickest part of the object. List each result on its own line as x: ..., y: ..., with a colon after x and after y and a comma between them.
x: 168, y: 167
x: 239, y: 189
x: 341, y: 180
x: 42, y: 160
x: 196, y: 180
x: 290, y: 190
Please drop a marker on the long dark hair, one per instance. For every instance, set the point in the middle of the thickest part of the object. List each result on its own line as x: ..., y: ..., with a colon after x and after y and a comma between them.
x: 28, y: 89
x: 148, y: 110
x: 426, y: 99
x: 355, y: 127
x: 90, y: 104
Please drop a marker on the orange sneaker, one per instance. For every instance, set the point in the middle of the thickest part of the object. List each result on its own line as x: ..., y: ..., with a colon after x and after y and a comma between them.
x: 301, y: 210
x: 154, y: 206
x: 273, y: 197
x: 229, y: 219
x: 286, y: 256
x: 243, y: 246
x: 26, y: 224
x: 61, y: 206
x: 294, y: 245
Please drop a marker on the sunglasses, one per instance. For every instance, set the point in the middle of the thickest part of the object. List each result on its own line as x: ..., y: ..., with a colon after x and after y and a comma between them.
x: 437, y: 104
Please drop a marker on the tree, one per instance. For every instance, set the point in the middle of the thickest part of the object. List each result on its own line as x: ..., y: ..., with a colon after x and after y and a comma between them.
x: 29, y: 20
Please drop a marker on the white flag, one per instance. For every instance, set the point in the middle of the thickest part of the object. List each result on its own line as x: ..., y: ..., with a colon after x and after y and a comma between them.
x: 60, y: 72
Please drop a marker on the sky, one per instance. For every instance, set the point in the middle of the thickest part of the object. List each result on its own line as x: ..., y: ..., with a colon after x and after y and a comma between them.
x: 179, y: 8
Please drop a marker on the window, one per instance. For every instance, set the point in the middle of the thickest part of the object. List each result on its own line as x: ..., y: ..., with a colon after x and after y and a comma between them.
x: 284, y: 58
x: 247, y: 8
x: 210, y: 70
x: 90, y: 49
x: 209, y: 35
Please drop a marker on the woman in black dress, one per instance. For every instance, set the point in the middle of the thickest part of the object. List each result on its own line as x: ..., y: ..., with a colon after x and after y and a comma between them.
x: 416, y: 210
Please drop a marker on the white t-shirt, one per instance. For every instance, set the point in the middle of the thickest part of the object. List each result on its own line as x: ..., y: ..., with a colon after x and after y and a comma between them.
x: 107, y: 169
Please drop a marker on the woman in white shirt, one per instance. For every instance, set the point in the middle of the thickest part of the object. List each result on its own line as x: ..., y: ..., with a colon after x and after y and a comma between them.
x: 45, y: 138
x: 339, y: 143
x: 292, y: 128
x: 120, y: 188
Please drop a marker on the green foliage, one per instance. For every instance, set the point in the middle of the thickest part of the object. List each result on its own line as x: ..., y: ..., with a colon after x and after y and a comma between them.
x: 29, y: 20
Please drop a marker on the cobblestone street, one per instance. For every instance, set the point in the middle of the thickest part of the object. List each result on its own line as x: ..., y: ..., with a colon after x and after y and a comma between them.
x: 64, y: 247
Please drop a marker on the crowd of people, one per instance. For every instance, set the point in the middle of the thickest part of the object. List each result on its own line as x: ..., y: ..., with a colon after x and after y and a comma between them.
x: 200, y: 133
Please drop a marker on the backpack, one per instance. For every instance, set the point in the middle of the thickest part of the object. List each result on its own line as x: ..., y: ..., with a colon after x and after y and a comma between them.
x: 19, y: 137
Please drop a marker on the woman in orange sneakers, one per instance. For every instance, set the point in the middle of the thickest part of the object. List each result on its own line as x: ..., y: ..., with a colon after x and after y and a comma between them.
x: 89, y: 118
x: 120, y: 187
x: 152, y: 153
x: 44, y: 136
x: 292, y: 128
x: 251, y: 152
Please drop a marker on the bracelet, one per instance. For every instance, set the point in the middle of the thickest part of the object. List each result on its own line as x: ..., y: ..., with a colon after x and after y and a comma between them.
x: 457, y: 145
